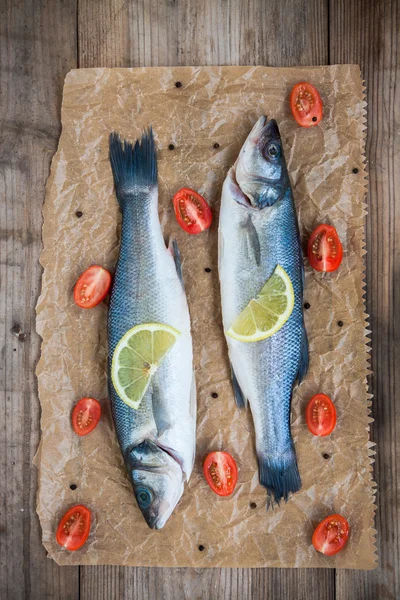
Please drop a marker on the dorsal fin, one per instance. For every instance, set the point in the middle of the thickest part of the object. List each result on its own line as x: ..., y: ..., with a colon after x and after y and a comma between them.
x: 253, y: 243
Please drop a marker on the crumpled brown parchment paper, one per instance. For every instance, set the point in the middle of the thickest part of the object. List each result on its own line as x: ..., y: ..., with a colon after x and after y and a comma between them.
x: 214, y: 105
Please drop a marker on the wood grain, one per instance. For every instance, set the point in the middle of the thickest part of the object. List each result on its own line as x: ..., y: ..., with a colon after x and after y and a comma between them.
x: 368, y: 33
x: 113, y: 583
x: 131, y: 33
x: 35, y: 54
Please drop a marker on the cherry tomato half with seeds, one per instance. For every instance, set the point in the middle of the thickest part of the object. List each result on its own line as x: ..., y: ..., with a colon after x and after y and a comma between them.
x: 331, y: 535
x: 192, y: 211
x: 306, y: 104
x: 74, y: 527
x: 321, y: 415
x: 92, y: 287
x: 221, y: 472
x: 325, y: 250
x: 86, y: 415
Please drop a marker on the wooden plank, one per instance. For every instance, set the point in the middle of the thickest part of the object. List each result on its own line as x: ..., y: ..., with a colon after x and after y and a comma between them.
x: 102, y: 33
x: 299, y: 584
x: 247, y: 32
x: 112, y: 583
x: 197, y: 32
x: 37, y: 48
x: 175, y: 32
x: 367, y: 33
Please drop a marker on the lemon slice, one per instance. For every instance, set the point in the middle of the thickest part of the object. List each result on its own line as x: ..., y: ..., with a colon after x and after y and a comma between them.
x: 137, y: 357
x: 268, y: 312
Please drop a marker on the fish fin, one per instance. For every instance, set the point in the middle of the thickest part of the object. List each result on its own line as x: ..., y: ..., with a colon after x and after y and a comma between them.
x: 162, y: 427
x: 176, y: 255
x: 188, y: 466
x: 279, y: 475
x: 133, y: 166
x: 303, y: 272
x: 302, y: 268
x: 240, y: 398
x: 304, y: 357
x: 252, y: 239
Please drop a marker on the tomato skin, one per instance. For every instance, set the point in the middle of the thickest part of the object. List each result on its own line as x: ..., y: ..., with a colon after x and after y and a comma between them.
x: 221, y: 473
x: 321, y: 415
x: 74, y: 527
x: 92, y: 287
x: 306, y: 104
x: 331, y: 535
x: 324, y: 250
x: 192, y: 211
x: 85, y: 415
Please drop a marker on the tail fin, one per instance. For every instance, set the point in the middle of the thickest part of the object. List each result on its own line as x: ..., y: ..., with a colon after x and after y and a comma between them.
x: 133, y: 166
x: 279, y: 475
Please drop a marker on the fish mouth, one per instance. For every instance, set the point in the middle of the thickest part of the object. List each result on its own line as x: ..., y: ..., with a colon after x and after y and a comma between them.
x: 271, y: 130
x: 165, y: 510
x: 157, y: 518
x: 264, y: 128
x: 256, y: 179
x: 146, y: 463
x: 260, y: 124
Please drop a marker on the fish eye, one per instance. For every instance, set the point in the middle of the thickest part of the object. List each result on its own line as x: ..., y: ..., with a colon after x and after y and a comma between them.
x: 144, y: 497
x: 273, y: 150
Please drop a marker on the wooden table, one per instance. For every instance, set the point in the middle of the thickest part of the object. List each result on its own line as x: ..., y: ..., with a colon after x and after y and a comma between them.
x: 41, y: 40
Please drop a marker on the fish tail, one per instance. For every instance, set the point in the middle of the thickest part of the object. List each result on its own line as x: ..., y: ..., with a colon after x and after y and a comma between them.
x: 133, y: 166
x: 279, y: 475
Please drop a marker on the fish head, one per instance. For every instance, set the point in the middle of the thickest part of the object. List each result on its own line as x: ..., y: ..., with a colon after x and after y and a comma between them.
x: 260, y: 170
x: 157, y: 481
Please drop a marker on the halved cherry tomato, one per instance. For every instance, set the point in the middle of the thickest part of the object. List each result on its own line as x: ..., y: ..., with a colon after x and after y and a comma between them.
x: 92, y: 287
x: 192, y: 211
x: 321, y: 415
x: 325, y: 251
x: 86, y: 415
x: 306, y: 104
x: 331, y: 535
x: 221, y: 473
x: 74, y: 527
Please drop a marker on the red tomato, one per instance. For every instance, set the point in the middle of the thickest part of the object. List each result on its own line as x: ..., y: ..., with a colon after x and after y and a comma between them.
x: 73, y: 529
x: 86, y: 415
x: 306, y: 104
x: 221, y: 473
x: 192, y: 211
x: 331, y: 535
x: 321, y: 415
x: 92, y: 287
x: 325, y: 251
